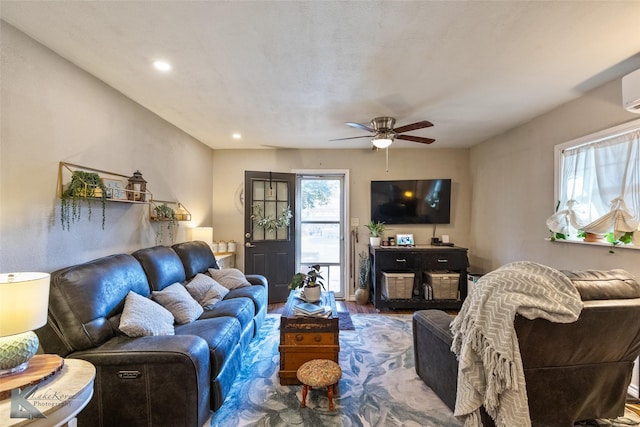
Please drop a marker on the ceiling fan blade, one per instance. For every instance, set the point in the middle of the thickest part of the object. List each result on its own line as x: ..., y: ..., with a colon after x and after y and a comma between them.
x: 359, y: 126
x: 415, y: 139
x: 413, y: 126
x: 353, y: 137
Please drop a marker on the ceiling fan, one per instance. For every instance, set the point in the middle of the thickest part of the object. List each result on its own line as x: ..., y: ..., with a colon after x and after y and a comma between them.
x: 383, y: 132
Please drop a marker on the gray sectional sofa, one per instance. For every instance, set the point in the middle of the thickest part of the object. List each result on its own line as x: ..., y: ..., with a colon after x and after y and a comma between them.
x: 166, y: 380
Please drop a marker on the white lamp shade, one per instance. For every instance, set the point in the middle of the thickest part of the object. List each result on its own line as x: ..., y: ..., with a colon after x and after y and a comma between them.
x: 382, y: 142
x: 24, y: 299
x: 202, y: 233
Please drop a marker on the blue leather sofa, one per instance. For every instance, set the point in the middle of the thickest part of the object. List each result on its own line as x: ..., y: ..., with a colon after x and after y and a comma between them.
x: 172, y: 380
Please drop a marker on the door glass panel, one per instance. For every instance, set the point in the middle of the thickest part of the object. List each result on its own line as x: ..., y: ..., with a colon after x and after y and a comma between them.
x: 270, y: 212
x: 332, y: 282
x: 270, y: 201
x: 320, y: 243
x: 270, y: 191
x: 282, y: 208
x: 320, y: 200
x: 282, y: 191
x: 258, y: 190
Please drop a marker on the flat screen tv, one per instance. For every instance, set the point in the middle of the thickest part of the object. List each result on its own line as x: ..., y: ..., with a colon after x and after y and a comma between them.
x: 419, y: 201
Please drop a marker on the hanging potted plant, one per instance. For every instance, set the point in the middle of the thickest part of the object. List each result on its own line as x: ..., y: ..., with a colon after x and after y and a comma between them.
x: 311, y: 284
x: 166, y: 217
x: 362, y: 293
x: 376, y: 229
x: 84, y: 186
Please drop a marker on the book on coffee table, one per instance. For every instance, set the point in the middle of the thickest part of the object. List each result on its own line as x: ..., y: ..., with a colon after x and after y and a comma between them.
x: 322, y: 315
x: 307, y: 308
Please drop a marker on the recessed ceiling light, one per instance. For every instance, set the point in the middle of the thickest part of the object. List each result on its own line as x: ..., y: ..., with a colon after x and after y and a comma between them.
x: 236, y: 136
x: 163, y: 66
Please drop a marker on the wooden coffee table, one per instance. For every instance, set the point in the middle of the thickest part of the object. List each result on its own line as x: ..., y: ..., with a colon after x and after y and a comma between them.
x: 306, y: 338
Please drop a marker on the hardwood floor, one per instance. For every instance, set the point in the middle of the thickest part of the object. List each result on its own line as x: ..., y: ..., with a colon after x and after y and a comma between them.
x: 349, y: 306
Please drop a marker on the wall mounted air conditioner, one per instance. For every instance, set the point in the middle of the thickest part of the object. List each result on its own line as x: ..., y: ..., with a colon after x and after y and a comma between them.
x: 631, y: 92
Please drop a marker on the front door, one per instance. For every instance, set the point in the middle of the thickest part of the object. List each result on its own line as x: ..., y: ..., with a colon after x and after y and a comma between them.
x: 269, y: 245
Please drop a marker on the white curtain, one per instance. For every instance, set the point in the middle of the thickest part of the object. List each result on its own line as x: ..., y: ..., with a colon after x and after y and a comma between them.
x: 600, y: 187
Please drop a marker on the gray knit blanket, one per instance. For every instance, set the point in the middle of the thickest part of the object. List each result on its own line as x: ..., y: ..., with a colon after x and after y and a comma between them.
x: 490, y: 371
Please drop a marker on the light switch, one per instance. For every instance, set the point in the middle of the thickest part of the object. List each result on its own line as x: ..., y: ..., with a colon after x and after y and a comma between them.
x: 355, y: 222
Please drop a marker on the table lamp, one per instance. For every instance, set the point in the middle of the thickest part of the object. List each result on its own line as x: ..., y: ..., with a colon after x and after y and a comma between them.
x: 24, y: 299
x: 202, y: 233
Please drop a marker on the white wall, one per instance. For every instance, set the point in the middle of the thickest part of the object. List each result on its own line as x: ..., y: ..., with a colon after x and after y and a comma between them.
x: 53, y: 111
x: 364, y: 166
x: 513, y: 194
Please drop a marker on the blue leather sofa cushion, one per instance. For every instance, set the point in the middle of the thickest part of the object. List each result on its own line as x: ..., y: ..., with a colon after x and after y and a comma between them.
x: 221, y: 334
x: 257, y: 293
x: 241, y: 309
x: 161, y: 265
x: 86, y: 300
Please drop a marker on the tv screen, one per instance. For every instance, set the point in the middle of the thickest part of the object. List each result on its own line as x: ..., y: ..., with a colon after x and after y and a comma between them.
x: 422, y: 201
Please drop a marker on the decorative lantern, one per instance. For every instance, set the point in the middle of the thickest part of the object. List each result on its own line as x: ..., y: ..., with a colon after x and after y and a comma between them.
x: 137, y: 187
x: 182, y: 214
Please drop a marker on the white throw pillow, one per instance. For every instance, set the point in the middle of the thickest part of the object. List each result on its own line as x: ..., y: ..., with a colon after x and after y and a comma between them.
x: 230, y: 278
x: 179, y: 302
x: 142, y: 317
x: 206, y: 291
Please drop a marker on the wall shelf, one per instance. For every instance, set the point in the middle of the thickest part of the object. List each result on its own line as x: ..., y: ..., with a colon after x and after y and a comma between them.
x: 181, y: 213
x: 115, y: 183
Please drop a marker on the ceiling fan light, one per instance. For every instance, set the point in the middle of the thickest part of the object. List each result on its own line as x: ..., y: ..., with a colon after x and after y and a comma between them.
x: 382, y: 141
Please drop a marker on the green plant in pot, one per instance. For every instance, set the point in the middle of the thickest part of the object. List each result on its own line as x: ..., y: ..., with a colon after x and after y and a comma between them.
x: 362, y: 293
x: 376, y: 229
x: 311, y: 283
x: 167, y: 219
x: 624, y: 239
x: 84, y: 186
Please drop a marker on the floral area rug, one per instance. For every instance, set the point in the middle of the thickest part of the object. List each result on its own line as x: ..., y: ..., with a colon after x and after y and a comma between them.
x: 379, y: 385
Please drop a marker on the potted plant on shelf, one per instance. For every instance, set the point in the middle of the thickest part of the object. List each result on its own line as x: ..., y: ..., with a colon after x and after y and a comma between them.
x: 362, y: 293
x: 375, y: 229
x: 84, y: 186
x: 591, y: 237
x: 167, y: 218
x: 311, y: 283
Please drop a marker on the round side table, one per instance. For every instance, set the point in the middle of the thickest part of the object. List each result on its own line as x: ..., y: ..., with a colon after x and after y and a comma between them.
x: 60, y: 397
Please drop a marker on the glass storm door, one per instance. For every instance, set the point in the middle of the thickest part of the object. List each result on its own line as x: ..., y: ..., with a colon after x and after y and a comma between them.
x: 321, y: 228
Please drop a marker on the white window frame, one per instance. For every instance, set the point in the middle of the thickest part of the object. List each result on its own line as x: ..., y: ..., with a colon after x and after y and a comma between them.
x: 558, y: 158
x: 345, y: 243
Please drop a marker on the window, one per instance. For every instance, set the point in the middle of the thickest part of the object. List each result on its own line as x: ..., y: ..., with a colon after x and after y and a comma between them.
x: 598, y: 186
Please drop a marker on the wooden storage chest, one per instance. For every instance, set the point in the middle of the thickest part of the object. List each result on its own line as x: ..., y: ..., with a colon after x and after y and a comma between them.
x: 305, y: 338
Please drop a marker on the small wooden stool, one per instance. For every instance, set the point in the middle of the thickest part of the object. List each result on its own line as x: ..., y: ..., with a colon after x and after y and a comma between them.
x: 319, y: 373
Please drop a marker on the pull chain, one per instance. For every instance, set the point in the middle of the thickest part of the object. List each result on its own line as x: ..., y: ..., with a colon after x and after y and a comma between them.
x: 387, y: 155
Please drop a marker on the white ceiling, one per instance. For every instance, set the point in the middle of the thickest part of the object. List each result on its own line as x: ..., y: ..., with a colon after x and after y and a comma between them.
x: 290, y: 73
